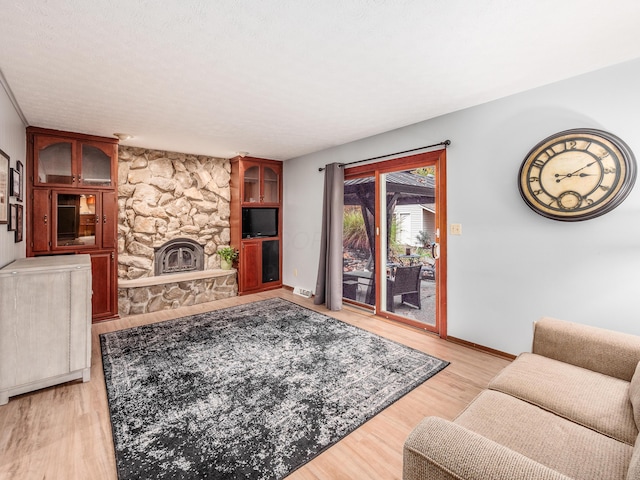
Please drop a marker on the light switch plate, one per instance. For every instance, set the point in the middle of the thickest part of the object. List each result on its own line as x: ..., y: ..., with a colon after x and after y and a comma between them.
x: 455, y: 229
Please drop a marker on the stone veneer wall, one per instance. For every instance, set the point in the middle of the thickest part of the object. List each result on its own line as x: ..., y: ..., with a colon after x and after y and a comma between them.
x: 163, y: 196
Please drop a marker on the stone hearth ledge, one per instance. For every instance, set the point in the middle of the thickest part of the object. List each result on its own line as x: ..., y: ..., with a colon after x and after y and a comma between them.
x: 151, y: 294
x: 174, y: 278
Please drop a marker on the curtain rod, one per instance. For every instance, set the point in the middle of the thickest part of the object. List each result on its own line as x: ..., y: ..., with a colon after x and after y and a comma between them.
x: 446, y: 143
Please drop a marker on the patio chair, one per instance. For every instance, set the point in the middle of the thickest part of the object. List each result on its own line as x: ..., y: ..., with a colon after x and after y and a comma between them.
x: 406, y: 283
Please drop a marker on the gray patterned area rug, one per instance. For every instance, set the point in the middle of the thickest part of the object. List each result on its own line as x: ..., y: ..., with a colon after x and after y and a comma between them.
x: 249, y: 392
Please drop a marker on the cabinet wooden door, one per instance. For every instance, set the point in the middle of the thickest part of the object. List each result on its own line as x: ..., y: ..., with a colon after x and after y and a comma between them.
x: 271, y: 176
x: 251, y: 190
x: 96, y: 165
x: 109, y: 219
x: 261, y: 182
x: 250, y: 261
x: 104, y: 298
x: 41, y: 221
x: 53, y: 162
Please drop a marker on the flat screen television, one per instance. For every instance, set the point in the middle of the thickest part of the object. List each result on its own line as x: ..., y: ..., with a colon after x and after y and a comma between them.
x: 259, y: 222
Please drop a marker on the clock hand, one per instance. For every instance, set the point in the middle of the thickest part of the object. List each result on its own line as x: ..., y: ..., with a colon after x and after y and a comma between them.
x: 562, y: 177
x: 572, y: 175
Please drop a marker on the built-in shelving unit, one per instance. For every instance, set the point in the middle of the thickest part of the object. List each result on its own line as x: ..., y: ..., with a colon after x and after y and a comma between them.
x: 256, y: 222
x: 72, y: 205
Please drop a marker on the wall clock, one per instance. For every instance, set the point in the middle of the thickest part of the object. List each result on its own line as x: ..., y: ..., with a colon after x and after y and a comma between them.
x: 577, y: 174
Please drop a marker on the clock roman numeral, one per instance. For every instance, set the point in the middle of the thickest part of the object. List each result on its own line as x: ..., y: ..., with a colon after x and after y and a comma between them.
x: 538, y: 163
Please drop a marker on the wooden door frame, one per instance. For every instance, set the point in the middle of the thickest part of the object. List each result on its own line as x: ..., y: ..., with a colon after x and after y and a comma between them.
x: 436, y: 158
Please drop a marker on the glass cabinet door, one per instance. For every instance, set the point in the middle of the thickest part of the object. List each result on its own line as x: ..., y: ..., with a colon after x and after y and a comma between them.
x: 75, y: 219
x: 252, y: 185
x: 271, y: 186
x: 54, y: 163
x: 96, y: 166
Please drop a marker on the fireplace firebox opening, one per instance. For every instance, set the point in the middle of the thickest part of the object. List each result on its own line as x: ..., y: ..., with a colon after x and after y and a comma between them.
x: 178, y: 256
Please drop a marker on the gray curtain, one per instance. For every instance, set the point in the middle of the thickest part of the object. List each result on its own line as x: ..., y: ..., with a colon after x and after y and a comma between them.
x: 329, y: 283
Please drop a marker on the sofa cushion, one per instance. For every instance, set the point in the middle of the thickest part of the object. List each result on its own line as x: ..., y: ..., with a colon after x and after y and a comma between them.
x: 567, y: 447
x: 594, y: 400
x: 634, y: 395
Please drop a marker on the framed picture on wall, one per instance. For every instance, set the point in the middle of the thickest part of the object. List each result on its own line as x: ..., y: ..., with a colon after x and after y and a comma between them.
x: 16, y: 181
x: 4, y: 187
x: 13, y: 216
x: 19, y: 223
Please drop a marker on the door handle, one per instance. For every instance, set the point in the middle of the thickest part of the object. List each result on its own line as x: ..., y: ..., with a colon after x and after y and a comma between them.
x: 435, y: 250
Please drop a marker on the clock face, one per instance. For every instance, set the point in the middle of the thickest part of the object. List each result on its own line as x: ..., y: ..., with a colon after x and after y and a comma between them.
x: 577, y: 174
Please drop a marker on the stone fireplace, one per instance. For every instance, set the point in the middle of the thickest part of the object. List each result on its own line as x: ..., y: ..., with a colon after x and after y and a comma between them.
x: 173, y: 217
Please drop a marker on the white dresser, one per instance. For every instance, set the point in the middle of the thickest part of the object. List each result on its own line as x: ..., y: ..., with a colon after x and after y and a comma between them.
x: 45, y: 323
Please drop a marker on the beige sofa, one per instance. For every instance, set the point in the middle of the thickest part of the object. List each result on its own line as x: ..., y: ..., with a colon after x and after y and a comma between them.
x: 569, y: 410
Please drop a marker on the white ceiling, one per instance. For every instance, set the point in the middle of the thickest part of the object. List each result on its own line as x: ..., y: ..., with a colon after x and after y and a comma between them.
x: 282, y: 78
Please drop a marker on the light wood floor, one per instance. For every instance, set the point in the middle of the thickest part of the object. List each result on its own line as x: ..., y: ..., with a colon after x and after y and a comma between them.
x: 64, y: 432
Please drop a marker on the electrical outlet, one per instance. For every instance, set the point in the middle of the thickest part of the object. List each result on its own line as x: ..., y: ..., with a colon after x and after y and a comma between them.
x: 303, y: 292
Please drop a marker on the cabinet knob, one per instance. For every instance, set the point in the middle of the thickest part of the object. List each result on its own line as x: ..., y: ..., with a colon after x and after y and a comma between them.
x: 97, y: 219
x: 104, y: 219
x: 45, y: 219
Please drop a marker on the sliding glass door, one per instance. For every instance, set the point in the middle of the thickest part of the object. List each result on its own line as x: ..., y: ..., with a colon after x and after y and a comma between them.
x: 359, y: 239
x: 393, y: 250
x: 408, y: 253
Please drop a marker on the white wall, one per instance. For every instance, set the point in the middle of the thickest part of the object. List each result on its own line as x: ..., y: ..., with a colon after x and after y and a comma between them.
x: 510, y: 266
x: 13, y: 142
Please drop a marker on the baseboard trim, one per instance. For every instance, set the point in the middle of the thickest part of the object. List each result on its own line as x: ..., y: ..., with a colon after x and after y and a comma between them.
x: 459, y: 341
x: 481, y: 348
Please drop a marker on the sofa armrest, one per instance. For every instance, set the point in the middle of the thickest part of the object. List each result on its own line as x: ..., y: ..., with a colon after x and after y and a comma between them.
x: 441, y: 450
x: 604, y: 351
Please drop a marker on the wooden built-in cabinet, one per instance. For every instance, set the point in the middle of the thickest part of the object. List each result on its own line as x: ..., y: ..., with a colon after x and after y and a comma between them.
x: 72, y: 205
x: 261, y: 181
x: 256, y: 222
